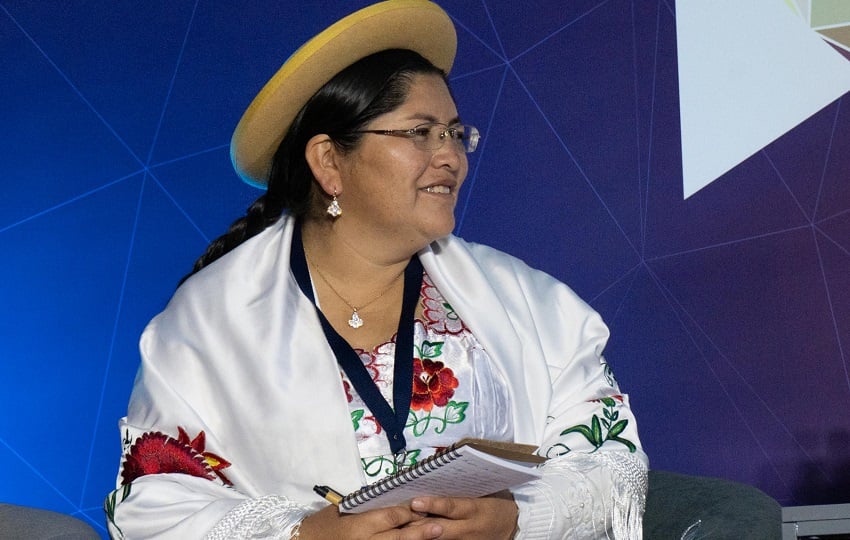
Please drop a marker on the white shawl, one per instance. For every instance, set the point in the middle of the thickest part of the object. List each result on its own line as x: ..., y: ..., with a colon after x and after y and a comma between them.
x: 239, y: 354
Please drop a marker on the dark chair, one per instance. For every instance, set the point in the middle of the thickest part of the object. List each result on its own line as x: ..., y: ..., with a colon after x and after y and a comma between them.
x: 683, y: 507
x: 24, y: 523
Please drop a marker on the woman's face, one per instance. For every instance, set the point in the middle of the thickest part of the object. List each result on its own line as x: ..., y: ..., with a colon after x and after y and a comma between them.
x: 394, y: 191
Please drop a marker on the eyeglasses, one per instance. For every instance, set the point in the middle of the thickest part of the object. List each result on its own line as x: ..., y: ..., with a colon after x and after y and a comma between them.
x: 432, y: 135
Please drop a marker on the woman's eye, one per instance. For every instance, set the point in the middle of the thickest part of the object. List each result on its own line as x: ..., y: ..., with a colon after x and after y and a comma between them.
x: 422, y: 132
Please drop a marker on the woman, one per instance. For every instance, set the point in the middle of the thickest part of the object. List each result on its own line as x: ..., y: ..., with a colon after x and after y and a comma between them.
x: 339, y: 331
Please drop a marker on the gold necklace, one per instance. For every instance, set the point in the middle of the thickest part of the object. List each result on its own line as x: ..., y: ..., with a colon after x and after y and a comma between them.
x: 356, y: 321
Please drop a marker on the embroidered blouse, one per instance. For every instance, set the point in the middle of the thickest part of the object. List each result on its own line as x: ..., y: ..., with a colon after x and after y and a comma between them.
x: 456, y: 390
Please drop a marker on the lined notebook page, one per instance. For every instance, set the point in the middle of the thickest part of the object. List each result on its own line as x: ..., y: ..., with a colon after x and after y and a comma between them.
x: 462, y: 472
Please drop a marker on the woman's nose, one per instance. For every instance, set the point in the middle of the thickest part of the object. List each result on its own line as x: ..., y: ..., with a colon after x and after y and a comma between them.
x: 451, y: 153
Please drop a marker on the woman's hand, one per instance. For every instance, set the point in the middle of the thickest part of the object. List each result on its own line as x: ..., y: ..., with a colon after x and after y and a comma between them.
x: 392, y: 523
x: 485, y: 518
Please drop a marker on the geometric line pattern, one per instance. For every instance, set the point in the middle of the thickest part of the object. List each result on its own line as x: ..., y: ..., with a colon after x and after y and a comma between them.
x: 724, y: 308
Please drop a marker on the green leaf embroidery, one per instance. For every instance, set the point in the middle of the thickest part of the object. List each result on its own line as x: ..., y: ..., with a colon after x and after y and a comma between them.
x: 356, y: 417
x: 430, y: 349
x: 584, y: 430
x: 613, y: 428
x: 412, y: 457
x: 596, y: 431
x: 109, y: 505
x: 456, y: 412
x: 453, y: 413
x: 375, y: 466
x: 617, y: 428
x: 629, y: 444
x: 112, y: 502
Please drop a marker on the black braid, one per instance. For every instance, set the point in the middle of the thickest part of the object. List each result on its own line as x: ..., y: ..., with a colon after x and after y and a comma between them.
x: 254, y: 222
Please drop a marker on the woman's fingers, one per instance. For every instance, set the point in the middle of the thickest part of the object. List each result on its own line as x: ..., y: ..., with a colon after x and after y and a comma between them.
x: 382, y: 524
x: 448, y: 507
x: 485, y: 518
x: 413, y: 531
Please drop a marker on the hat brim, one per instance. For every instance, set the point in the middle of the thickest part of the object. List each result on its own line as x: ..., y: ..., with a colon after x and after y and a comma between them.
x: 418, y: 25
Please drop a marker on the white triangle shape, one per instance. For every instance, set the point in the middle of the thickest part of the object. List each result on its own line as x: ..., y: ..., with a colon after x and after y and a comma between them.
x: 749, y: 72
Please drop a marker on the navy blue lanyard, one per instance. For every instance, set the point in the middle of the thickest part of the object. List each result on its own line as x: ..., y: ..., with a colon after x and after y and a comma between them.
x: 392, y: 421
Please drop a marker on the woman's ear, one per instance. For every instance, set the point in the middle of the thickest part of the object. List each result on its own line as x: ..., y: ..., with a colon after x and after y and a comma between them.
x: 323, y: 159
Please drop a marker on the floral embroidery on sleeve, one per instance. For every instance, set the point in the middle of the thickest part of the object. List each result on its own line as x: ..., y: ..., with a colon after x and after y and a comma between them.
x: 601, y: 430
x: 155, y: 452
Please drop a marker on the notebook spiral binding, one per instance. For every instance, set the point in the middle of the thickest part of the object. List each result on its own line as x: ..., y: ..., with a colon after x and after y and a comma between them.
x: 400, y: 478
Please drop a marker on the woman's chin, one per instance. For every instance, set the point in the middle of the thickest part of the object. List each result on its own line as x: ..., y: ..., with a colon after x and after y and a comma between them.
x: 442, y: 230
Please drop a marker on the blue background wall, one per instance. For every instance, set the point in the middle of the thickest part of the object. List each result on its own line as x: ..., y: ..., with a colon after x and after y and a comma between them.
x: 730, y: 311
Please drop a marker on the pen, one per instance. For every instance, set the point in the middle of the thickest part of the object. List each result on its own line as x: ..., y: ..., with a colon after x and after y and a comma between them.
x: 329, y: 494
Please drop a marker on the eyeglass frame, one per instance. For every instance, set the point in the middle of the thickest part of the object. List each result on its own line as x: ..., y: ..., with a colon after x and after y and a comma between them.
x: 474, y: 135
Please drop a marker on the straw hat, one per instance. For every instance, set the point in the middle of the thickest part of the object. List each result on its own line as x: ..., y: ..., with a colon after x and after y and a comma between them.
x: 419, y: 25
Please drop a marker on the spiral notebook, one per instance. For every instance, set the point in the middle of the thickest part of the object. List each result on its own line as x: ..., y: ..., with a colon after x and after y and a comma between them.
x: 468, y: 468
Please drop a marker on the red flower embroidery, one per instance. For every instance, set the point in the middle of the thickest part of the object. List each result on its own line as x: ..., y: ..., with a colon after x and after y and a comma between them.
x: 214, y: 461
x: 347, y: 387
x: 433, y: 384
x: 155, y: 452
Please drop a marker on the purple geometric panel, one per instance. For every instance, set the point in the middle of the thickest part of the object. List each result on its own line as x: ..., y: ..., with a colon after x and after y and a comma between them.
x: 729, y: 311
x: 564, y: 199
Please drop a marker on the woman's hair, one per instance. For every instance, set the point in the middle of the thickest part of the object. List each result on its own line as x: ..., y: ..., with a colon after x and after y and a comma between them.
x: 372, y: 86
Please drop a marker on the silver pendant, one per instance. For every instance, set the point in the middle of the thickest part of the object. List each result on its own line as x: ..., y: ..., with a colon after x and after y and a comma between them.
x: 355, y: 321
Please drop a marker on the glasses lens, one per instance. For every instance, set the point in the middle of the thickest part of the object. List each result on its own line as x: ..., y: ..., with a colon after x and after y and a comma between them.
x: 469, y: 138
x: 432, y: 136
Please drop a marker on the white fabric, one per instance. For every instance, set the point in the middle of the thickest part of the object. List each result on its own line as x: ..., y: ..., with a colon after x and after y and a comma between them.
x: 584, y: 496
x: 240, y: 355
x: 270, y: 517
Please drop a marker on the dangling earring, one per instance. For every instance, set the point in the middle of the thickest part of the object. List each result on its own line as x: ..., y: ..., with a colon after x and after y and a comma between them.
x: 334, y: 210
